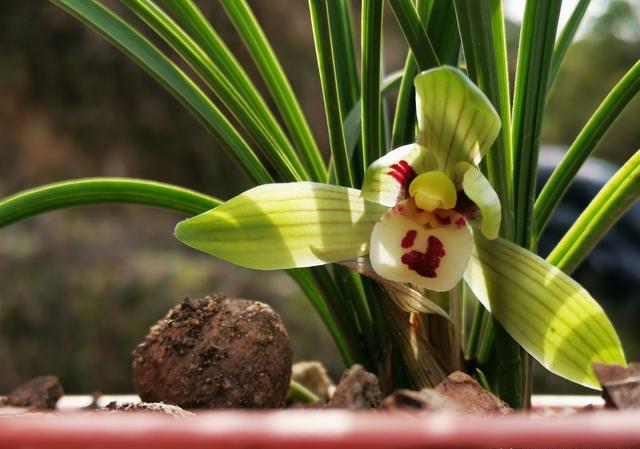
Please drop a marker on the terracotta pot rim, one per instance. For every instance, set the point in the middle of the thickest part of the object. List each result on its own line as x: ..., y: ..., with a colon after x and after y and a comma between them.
x: 321, y: 429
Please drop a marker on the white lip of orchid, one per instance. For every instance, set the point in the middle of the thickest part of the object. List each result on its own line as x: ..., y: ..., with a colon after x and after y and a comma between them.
x: 423, y: 239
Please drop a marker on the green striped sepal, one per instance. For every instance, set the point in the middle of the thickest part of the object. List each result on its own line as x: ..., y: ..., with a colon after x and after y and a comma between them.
x: 544, y: 310
x: 290, y: 225
x: 455, y: 119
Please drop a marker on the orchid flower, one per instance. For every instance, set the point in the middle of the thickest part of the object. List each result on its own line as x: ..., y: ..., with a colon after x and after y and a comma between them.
x: 426, y: 216
x: 434, y: 186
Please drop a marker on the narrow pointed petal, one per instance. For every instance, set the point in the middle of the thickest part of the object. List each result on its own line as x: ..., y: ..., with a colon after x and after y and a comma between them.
x: 543, y: 309
x: 481, y: 193
x: 455, y: 119
x: 405, y: 251
x: 387, y: 180
x: 277, y: 226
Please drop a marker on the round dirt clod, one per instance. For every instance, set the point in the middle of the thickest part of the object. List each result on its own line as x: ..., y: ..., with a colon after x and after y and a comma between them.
x: 215, y: 352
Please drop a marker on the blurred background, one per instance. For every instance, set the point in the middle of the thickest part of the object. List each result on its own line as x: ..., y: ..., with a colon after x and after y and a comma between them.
x: 80, y: 288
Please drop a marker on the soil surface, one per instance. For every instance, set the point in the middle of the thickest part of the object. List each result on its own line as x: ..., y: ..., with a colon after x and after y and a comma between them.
x: 160, y: 408
x: 215, y: 352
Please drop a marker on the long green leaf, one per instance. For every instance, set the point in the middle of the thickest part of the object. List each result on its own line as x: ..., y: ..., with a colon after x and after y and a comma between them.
x: 343, y: 312
x: 306, y: 282
x: 482, y: 28
x: 265, y: 59
x: 205, y: 37
x: 344, y: 55
x: 116, y: 31
x: 195, y: 23
x: 371, y: 75
x: 596, y: 127
x: 288, y: 225
x: 442, y: 30
x: 352, y: 121
x: 78, y: 192
x: 415, y: 34
x: 348, y: 282
x: 404, y: 120
x: 346, y: 67
x: 614, y: 199
x: 566, y: 37
x: 544, y: 310
x: 261, y: 126
x: 326, y: 66
x: 537, y: 39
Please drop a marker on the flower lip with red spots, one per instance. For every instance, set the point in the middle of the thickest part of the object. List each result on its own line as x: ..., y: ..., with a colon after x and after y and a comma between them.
x: 426, y: 264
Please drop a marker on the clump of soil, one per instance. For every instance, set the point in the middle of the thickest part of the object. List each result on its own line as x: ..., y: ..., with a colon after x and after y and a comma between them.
x: 158, y: 408
x: 39, y: 393
x: 215, y: 352
x: 357, y: 389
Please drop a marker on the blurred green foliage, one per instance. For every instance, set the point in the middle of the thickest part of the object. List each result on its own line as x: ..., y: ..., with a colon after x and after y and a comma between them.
x: 593, y: 65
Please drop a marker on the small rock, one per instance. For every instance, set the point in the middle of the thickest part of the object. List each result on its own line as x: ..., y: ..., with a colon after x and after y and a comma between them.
x: 357, y: 389
x: 620, y: 385
x: 40, y: 393
x: 313, y: 376
x: 458, y: 393
x: 156, y: 407
x: 470, y: 396
x: 426, y: 399
x: 215, y: 352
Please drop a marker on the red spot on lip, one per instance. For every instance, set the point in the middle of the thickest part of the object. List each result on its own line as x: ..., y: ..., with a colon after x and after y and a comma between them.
x: 426, y: 264
x: 409, y: 238
x: 403, y: 173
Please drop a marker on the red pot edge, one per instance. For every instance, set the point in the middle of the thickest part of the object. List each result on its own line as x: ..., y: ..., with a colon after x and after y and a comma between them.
x: 319, y: 429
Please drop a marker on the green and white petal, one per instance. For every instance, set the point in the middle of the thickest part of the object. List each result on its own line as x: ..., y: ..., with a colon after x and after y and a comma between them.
x: 277, y: 226
x: 404, y: 250
x: 387, y: 179
x: 455, y: 119
x: 480, y: 191
x: 543, y: 309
